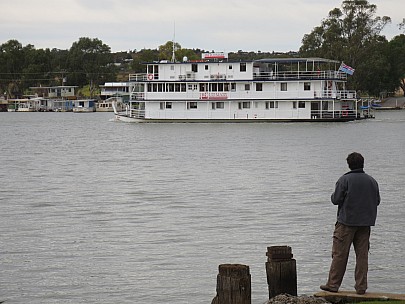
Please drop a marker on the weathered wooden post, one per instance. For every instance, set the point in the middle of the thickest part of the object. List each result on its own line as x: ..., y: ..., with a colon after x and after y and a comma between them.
x: 281, y: 271
x: 233, y: 285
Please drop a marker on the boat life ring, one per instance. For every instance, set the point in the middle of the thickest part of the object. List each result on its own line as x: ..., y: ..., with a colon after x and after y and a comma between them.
x: 150, y: 76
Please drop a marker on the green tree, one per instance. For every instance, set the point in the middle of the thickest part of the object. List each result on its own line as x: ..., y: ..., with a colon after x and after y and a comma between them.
x: 37, y: 67
x: 352, y: 34
x: 90, y: 62
x: 145, y: 55
x: 11, y: 66
x: 166, y: 50
x: 59, y: 66
x: 397, y: 60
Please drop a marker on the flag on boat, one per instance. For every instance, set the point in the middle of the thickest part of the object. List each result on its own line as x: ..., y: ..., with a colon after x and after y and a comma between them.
x: 346, y: 69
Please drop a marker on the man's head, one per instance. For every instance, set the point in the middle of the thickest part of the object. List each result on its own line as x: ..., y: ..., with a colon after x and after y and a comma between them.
x: 355, y: 161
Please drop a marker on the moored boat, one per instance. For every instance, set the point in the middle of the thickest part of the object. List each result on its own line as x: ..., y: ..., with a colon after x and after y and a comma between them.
x: 84, y: 106
x: 107, y: 104
x: 216, y: 89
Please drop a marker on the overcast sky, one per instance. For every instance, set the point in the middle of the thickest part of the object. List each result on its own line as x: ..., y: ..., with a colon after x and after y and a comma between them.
x: 227, y: 25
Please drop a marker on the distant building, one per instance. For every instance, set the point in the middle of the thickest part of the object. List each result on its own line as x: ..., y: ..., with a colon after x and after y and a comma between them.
x: 66, y: 92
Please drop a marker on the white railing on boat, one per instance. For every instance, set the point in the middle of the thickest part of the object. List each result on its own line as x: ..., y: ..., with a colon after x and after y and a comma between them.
x: 343, y: 94
x: 264, y: 76
x: 138, y: 77
x: 291, y: 75
x: 137, y: 113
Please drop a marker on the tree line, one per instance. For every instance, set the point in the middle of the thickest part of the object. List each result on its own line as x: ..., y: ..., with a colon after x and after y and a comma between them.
x: 351, y: 34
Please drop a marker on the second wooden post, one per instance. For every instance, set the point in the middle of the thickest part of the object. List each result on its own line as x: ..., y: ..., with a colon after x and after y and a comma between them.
x: 281, y: 271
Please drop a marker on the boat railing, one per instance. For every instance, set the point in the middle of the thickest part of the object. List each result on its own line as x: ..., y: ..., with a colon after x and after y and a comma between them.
x: 138, y: 77
x: 135, y: 113
x: 291, y: 75
x: 341, y: 94
x: 346, y: 94
x: 334, y: 114
x: 137, y: 96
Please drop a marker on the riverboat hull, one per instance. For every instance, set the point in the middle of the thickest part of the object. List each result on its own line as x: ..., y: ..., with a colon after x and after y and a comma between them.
x: 125, y: 118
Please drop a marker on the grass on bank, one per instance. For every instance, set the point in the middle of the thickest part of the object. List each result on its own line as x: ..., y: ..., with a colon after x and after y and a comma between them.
x: 381, y: 302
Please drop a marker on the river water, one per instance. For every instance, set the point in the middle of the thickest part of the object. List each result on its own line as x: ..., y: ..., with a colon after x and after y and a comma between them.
x: 95, y: 211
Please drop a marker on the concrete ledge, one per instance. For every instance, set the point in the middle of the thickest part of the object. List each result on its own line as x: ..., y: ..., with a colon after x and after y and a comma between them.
x: 351, y: 296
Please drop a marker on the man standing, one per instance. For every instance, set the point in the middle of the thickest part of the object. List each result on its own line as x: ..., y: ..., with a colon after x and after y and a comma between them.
x: 357, y: 197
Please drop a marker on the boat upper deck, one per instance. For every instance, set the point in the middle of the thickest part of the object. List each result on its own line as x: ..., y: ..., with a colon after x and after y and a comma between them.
x: 273, y: 69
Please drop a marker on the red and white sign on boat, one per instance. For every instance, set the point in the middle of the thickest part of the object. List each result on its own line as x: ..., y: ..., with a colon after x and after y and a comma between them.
x: 213, y: 96
x: 215, y: 55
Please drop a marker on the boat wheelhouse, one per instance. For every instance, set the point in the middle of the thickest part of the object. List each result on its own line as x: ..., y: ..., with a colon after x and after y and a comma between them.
x: 215, y: 89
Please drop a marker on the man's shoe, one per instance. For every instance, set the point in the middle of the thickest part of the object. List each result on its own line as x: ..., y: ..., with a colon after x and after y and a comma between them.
x: 327, y: 288
x: 360, y: 292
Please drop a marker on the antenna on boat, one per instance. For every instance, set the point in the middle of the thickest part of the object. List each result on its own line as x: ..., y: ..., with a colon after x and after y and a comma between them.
x: 174, y: 39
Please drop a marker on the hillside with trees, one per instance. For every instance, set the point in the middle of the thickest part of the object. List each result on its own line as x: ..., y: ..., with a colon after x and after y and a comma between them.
x: 351, y: 34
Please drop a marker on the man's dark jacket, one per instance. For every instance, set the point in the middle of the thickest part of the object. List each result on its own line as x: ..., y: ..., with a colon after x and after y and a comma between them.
x: 357, y: 197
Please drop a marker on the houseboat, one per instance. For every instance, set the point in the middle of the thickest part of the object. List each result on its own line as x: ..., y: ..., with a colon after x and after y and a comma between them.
x: 107, y: 104
x: 56, y: 98
x: 84, y: 106
x: 215, y: 89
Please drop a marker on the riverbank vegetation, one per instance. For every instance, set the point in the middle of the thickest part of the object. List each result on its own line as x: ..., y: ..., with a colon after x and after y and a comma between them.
x: 351, y: 34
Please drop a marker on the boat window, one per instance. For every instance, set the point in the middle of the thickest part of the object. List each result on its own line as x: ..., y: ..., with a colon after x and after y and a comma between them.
x: 301, y: 104
x: 220, y: 105
x: 206, y: 67
x: 194, y: 67
x: 226, y: 87
x: 192, y: 87
x: 213, y: 87
x: 247, y: 87
x: 243, y: 66
x: 283, y: 86
x: 191, y: 105
x: 307, y: 86
x: 160, y: 87
x: 149, y: 87
x: 213, y: 105
x: 203, y: 87
x: 246, y: 105
x: 170, y: 87
x: 162, y: 105
x: 168, y: 105
x: 294, y: 104
x: 259, y: 86
x: 183, y: 87
x: 220, y: 87
x: 177, y: 87
x: 233, y: 87
x: 230, y: 66
x: 267, y: 105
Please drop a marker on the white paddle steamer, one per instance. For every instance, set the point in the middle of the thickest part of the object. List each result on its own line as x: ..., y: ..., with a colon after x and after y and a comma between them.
x: 215, y: 89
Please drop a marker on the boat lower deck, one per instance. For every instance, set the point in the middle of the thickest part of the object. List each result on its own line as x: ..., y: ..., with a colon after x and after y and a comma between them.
x: 253, y: 120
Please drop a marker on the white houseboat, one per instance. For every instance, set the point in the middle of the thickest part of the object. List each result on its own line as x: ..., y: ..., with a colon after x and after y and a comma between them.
x: 106, y: 105
x: 84, y: 106
x: 215, y: 89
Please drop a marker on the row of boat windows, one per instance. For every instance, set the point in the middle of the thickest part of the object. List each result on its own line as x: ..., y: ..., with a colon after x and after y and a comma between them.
x: 154, y: 69
x: 212, y: 87
x: 241, y: 105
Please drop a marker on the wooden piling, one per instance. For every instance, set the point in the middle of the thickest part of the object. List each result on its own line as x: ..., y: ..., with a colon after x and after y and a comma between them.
x: 281, y: 271
x: 233, y: 285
